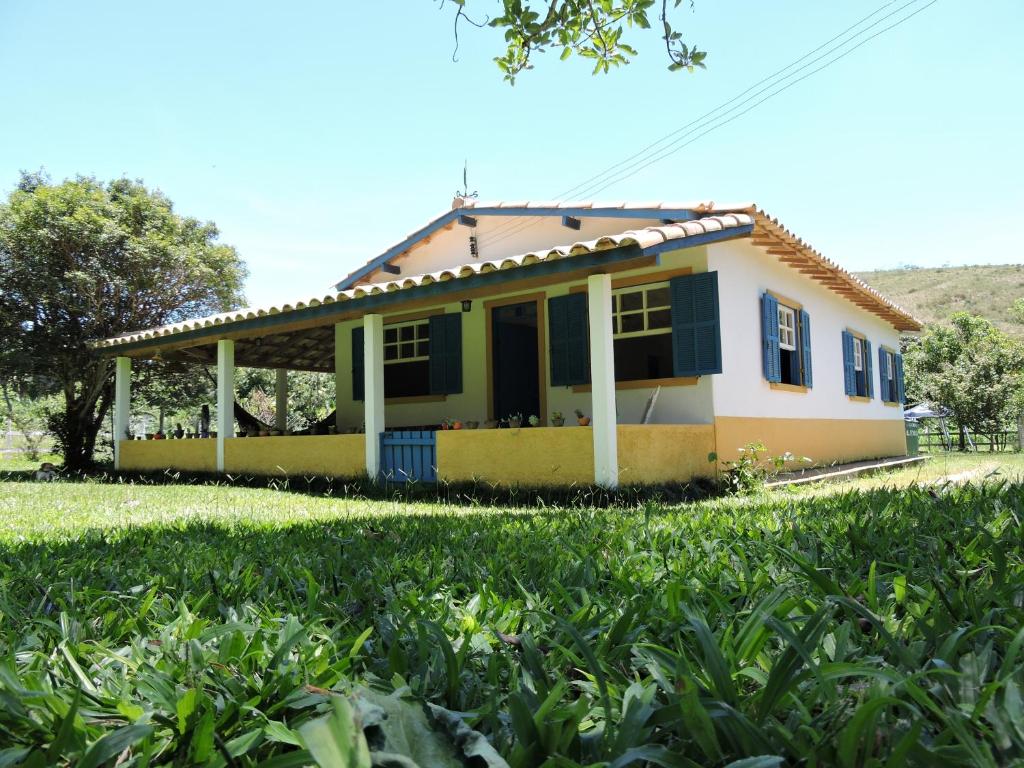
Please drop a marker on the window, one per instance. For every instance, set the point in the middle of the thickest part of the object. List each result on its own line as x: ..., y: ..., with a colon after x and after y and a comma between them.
x: 890, y: 377
x: 642, y: 332
x: 407, y: 359
x: 786, y: 338
x: 857, y: 365
x: 787, y: 328
x: 406, y: 342
x: 858, y: 354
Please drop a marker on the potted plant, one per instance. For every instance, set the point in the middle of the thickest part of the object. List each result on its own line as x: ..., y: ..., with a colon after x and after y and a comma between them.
x: 456, y: 424
x: 557, y: 419
x: 583, y: 421
x: 472, y: 424
x: 515, y: 420
x: 534, y: 420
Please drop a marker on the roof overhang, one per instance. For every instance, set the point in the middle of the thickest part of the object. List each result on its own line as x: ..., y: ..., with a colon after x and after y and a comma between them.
x: 612, y: 253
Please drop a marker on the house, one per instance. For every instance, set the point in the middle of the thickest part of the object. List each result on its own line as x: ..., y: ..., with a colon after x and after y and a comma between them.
x: 744, y: 333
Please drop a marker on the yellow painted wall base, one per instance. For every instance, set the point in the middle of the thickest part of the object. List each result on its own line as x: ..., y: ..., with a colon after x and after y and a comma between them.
x: 823, y: 441
x: 664, y: 453
x: 534, y: 456
x: 322, y: 455
x: 198, y: 455
x: 547, y: 456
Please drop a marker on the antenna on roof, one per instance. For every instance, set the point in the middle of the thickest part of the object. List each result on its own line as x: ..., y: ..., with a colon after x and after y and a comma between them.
x: 465, y: 194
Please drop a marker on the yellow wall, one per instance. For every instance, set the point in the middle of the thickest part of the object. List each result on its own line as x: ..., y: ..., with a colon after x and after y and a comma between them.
x: 822, y: 440
x: 326, y: 455
x: 199, y: 455
x: 531, y: 456
x: 545, y: 456
x: 664, y: 453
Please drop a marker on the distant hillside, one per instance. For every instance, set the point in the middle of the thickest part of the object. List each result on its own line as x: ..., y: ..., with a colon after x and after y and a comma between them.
x: 932, y: 295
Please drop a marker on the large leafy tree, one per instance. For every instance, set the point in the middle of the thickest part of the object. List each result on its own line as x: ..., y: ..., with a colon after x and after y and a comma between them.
x: 592, y: 29
x: 971, y: 368
x: 83, y: 260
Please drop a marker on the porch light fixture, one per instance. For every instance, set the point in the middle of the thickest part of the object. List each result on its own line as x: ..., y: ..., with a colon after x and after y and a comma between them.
x: 467, y: 304
x: 474, y: 247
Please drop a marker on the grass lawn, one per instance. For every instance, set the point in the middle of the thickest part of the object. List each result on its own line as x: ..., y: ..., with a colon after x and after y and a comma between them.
x: 874, y: 622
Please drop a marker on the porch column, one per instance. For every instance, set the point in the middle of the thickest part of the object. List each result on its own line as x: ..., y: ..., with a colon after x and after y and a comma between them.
x: 225, y: 396
x: 122, y: 404
x: 281, y: 410
x: 602, y: 380
x: 373, y: 389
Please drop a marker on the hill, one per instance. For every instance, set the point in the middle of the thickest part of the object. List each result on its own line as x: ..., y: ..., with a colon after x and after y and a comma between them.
x: 932, y: 295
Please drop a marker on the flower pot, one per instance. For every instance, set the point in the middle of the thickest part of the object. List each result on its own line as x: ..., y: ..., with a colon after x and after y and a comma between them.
x: 515, y: 423
x: 584, y: 421
x: 472, y: 424
x: 457, y: 425
x: 557, y: 422
x: 150, y: 436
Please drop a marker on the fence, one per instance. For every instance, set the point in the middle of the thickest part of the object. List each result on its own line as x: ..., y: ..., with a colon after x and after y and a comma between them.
x: 931, y: 440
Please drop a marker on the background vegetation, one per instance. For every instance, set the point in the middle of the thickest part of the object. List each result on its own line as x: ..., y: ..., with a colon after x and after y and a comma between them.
x: 933, y: 295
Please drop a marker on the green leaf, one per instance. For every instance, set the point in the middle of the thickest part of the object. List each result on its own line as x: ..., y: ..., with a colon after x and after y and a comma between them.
x: 113, y: 744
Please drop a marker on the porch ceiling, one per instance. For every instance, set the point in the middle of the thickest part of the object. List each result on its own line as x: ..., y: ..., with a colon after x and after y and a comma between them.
x: 309, y: 349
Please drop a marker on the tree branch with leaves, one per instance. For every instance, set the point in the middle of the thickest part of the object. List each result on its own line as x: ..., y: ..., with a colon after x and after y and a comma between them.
x: 590, y: 29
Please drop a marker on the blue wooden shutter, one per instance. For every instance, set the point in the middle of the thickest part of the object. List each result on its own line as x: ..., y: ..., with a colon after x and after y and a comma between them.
x: 772, y: 363
x: 805, y: 348
x: 849, y: 365
x: 883, y: 376
x: 357, y: 363
x: 445, y: 354
x: 867, y: 369
x: 900, y: 393
x: 696, y: 332
x: 568, y: 332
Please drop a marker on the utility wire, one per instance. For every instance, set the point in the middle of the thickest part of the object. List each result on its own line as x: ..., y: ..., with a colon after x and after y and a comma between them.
x: 712, y: 120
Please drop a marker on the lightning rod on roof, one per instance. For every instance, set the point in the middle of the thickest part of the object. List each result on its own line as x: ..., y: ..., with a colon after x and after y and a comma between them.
x: 465, y: 193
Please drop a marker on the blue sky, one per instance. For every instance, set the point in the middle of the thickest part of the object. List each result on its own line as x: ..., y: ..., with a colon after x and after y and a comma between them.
x: 316, y: 134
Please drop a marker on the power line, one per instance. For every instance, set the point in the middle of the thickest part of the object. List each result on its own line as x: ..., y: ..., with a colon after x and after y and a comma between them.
x: 513, y: 227
x: 712, y: 120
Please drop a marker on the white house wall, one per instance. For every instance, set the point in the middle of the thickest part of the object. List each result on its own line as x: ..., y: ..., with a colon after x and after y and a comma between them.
x: 498, y: 237
x: 741, y: 393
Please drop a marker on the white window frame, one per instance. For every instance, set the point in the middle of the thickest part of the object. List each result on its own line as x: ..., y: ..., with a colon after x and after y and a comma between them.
x: 787, y: 332
x: 415, y: 341
x: 644, y: 310
x: 858, y: 354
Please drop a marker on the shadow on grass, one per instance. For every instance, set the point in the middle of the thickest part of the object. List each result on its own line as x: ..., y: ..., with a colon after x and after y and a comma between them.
x: 574, y: 496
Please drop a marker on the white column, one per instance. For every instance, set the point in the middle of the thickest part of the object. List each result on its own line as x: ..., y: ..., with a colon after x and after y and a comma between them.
x: 122, y: 404
x: 373, y: 389
x: 225, y: 396
x: 602, y: 381
x: 281, y: 409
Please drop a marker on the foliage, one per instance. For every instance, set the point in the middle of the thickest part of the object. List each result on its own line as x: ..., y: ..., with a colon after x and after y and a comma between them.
x: 589, y: 29
x: 867, y: 628
x: 1017, y: 310
x: 310, y: 395
x: 28, y: 416
x: 935, y: 294
x: 84, y: 260
x: 751, y: 470
x: 970, y: 368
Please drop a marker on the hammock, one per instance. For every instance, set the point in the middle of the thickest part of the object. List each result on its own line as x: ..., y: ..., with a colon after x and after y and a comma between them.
x: 249, y: 423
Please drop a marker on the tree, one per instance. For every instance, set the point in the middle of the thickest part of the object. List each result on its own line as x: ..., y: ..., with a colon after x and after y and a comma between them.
x: 591, y: 29
x: 971, y: 368
x: 84, y: 260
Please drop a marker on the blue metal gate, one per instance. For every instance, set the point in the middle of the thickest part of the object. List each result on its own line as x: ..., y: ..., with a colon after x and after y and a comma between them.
x: 408, y: 456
